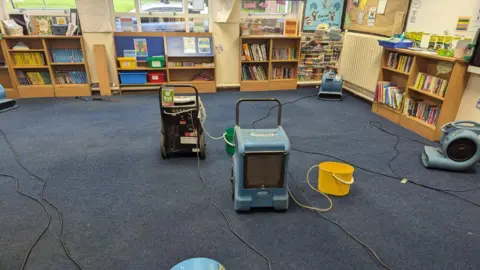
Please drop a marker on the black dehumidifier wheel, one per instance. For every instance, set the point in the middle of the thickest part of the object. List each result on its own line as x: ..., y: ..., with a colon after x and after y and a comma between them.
x: 163, y: 150
x: 232, y: 180
x: 202, y: 147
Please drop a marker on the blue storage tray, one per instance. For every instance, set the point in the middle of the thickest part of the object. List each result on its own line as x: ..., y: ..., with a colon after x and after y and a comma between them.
x: 133, y: 77
x: 395, y: 45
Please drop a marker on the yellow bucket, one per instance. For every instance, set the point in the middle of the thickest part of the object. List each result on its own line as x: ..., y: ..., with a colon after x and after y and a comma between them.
x: 335, y: 178
x: 127, y: 62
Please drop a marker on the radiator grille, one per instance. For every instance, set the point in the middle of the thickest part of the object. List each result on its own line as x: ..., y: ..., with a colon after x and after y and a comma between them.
x: 360, y: 63
x: 264, y: 170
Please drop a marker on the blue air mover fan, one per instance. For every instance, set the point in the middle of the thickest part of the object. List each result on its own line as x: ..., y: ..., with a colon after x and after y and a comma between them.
x: 331, y: 88
x: 460, y: 147
x: 6, y: 104
x: 259, y: 175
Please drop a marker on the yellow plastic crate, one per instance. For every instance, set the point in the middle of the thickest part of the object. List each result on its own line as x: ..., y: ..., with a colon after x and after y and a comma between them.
x: 127, y: 62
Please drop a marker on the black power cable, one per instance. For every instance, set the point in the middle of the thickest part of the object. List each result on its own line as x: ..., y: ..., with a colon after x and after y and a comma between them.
x: 44, y: 183
x: 270, y: 111
x: 220, y: 209
x: 19, y: 191
x: 375, y: 255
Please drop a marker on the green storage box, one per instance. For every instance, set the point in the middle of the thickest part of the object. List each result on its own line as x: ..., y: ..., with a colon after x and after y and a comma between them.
x: 156, y: 61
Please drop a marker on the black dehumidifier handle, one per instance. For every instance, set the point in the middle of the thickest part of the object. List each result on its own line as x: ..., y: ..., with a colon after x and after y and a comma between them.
x: 279, y: 115
x: 180, y: 85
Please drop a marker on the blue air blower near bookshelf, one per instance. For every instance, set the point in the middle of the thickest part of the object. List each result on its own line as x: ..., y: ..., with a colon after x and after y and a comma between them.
x: 331, y: 88
x: 460, y: 147
x: 260, y: 164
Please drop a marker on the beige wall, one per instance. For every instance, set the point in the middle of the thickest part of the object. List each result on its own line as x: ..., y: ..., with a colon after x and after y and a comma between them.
x: 106, y: 39
x: 468, y: 109
x: 226, y: 36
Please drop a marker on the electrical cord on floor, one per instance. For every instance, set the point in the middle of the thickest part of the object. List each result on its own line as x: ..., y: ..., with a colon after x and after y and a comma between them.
x: 220, y: 209
x: 343, y: 228
x: 270, y: 111
x: 44, y: 183
x: 312, y: 187
x: 19, y: 191
x: 378, y: 125
x: 386, y: 175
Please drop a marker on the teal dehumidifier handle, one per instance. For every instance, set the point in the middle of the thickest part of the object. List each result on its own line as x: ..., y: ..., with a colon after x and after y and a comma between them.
x: 279, y: 114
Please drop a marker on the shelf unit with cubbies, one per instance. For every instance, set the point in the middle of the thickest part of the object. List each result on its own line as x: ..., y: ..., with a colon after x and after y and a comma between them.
x: 201, y: 74
x: 317, y: 55
x: 279, y: 66
x: 32, y: 69
x: 6, y: 80
x: 446, y: 68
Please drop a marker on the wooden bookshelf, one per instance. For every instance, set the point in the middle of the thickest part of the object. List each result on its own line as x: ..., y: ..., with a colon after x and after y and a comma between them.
x: 426, y: 63
x: 169, y: 46
x: 6, y: 69
x: 43, y: 45
x: 317, y: 55
x: 271, y: 42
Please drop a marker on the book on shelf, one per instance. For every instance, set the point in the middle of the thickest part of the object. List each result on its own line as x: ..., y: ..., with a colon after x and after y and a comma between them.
x: 253, y: 72
x: 423, y: 110
x: 255, y: 52
x: 431, y: 84
x: 279, y: 73
x: 29, y: 78
x: 284, y: 53
x: 28, y: 59
x: 400, y: 62
x: 389, y: 94
x: 67, y: 55
x: 71, y: 77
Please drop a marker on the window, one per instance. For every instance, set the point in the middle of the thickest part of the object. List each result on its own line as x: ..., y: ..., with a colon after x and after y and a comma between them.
x: 150, y: 24
x: 161, y: 15
x: 41, y: 4
x: 267, y: 6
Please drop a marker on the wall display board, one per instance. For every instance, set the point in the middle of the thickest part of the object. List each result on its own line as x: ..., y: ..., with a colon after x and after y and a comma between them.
x: 323, y: 12
x: 381, y: 17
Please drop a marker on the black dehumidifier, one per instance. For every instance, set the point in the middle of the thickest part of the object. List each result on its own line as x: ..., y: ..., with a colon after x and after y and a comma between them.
x: 182, y: 132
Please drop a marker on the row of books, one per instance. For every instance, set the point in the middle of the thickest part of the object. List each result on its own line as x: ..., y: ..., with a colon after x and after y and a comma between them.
x: 67, y: 55
x: 425, y: 111
x: 253, y: 72
x: 431, y: 84
x: 389, y: 94
x: 29, y: 59
x: 68, y: 77
x: 28, y: 78
x: 255, y: 52
x: 284, y: 53
x: 283, y: 73
x: 400, y: 62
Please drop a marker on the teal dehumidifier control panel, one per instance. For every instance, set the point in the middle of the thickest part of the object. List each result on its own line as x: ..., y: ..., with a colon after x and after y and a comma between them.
x: 260, y: 165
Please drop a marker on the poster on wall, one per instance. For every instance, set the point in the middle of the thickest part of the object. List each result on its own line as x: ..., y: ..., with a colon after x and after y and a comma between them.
x: 322, y: 12
x: 140, y: 47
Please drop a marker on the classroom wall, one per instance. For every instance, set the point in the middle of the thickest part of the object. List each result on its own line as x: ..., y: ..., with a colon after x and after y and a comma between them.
x: 106, y: 39
x: 440, y: 16
x: 226, y: 38
x: 468, y: 110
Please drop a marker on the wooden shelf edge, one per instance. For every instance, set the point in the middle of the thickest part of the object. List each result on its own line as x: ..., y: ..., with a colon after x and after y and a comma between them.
x: 181, y: 68
x: 27, y: 50
x: 427, y: 93
x: 140, y: 68
x: 284, y: 61
x: 421, y: 122
x: 396, y: 71
x: 67, y: 63
x: 253, y: 62
x: 27, y: 67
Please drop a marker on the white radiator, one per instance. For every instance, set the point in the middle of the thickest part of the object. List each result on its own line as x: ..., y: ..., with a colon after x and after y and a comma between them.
x: 360, y: 64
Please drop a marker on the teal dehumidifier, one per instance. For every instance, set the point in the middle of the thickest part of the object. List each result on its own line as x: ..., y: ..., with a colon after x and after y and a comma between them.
x: 460, y: 147
x: 6, y: 104
x: 260, y: 163
x: 331, y: 88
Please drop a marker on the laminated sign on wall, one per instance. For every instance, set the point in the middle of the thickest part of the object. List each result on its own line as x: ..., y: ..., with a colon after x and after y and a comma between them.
x: 322, y: 11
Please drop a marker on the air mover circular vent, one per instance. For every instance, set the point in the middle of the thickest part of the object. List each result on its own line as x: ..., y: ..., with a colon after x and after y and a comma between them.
x: 461, y: 150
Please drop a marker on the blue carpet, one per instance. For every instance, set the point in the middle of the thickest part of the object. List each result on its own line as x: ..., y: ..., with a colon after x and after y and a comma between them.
x: 126, y: 208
